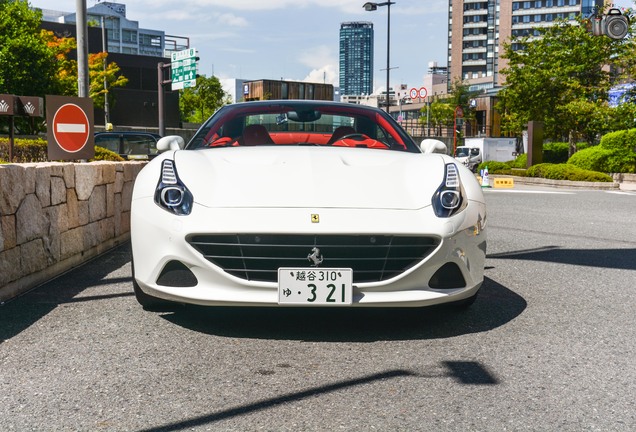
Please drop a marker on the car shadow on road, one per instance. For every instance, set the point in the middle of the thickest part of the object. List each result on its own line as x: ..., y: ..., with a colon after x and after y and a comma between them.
x: 621, y: 259
x: 495, y: 306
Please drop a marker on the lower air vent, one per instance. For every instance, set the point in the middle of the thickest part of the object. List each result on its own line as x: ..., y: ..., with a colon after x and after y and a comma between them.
x: 176, y: 274
x: 449, y: 276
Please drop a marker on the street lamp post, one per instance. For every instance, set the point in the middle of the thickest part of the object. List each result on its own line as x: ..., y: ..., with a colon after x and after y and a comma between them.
x: 370, y: 6
x: 105, y: 49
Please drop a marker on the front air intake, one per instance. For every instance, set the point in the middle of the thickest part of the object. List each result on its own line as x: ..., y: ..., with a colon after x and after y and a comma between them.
x: 257, y: 257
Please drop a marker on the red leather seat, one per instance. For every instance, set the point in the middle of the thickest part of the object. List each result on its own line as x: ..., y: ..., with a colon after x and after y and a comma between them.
x: 255, y: 135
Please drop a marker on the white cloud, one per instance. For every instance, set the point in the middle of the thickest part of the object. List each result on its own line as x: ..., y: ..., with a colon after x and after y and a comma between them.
x: 317, y: 56
x: 326, y: 74
x: 232, y: 20
x: 404, y: 7
x: 323, y: 63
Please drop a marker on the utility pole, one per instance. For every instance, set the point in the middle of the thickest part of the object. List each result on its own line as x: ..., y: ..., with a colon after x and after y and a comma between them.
x: 160, y: 95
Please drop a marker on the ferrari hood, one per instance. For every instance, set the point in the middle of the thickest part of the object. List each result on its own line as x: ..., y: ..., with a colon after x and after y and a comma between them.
x: 310, y: 177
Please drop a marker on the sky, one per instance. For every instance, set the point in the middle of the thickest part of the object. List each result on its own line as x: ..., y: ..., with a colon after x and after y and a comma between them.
x: 293, y: 39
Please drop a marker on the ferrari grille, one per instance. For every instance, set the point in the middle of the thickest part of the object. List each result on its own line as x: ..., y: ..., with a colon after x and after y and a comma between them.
x: 257, y: 257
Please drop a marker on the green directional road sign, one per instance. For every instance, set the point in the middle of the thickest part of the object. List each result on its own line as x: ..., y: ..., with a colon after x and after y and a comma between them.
x: 184, y: 69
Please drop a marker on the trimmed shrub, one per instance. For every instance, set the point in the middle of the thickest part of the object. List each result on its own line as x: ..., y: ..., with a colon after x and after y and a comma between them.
x: 24, y: 150
x: 615, y: 154
x: 566, y: 172
x: 555, y: 152
x: 493, y: 166
x: 593, y: 158
x: 36, y: 150
x: 624, y: 140
x: 102, y: 154
x: 520, y: 162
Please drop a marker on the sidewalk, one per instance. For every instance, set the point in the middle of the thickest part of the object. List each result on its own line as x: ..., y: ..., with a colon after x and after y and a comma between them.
x: 624, y: 182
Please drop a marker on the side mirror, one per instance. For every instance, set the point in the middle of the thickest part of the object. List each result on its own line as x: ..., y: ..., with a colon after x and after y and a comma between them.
x: 170, y: 142
x: 433, y: 146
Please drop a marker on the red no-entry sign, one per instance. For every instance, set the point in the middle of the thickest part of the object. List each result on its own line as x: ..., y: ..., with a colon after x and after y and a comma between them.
x: 70, y: 127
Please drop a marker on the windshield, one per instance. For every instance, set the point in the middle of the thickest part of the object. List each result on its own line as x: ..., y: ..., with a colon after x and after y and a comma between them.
x: 277, y: 124
x: 461, y: 152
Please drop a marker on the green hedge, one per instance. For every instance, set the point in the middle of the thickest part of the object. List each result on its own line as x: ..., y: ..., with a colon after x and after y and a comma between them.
x: 555, y: 152
x: 624, y: 140
x: 520, y: 162
x: 24, y: 150
x: 36, y: 150
x: 566, y: 172
x: 546, y: 170
x: 615, y: 154
x: 493, y: 166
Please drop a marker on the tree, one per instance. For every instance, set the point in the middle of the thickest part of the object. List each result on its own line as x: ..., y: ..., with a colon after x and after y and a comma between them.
x: 198, y: 103
x: 443, y: 112
x: 26, y: 62
x: 561, y: 79
x: 66, y: 75
x: 440, y: 114
x: 96, y: 74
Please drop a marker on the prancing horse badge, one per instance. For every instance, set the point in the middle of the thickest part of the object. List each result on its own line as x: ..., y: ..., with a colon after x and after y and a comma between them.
x: 315, y: 218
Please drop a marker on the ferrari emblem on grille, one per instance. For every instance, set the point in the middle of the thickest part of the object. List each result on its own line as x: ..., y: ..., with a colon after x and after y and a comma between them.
x: 315, y: 218
x: 315, y: 257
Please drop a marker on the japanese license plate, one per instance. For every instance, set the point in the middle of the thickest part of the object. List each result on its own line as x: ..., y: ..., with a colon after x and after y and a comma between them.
x: 315, y: 287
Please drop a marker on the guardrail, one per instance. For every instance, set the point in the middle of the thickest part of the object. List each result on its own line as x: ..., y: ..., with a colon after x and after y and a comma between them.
x: 55, y: 216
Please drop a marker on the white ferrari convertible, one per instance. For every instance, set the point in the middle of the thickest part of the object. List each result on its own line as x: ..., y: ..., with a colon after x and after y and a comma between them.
x: 305, y: 203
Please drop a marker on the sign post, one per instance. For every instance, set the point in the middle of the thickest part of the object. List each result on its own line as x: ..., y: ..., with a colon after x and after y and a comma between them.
x: 459, y: 115
x: 70, y: 128
x: 184, y: 69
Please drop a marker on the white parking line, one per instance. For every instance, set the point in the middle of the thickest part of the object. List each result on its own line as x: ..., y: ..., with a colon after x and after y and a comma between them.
x: 622, y: 193
x: 529, y: 191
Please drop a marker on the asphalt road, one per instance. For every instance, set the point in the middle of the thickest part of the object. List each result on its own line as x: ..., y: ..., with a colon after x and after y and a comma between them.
x: 548, y: 346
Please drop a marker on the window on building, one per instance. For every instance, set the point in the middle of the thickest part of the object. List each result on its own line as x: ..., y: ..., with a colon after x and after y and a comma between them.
x: 129, y: 36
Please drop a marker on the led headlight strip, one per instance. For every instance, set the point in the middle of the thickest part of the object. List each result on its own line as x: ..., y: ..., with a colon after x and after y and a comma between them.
x: 171, y: 194
x: 448, y: 198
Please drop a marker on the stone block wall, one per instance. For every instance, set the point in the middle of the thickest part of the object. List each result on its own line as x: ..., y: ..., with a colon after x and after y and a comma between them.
x: 55, y: 216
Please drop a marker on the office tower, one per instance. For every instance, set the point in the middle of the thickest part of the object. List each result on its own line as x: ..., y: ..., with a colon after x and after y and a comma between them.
x: 356, y: 58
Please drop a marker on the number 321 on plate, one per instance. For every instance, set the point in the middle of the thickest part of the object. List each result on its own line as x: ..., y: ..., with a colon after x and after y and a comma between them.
x: 315, y: 287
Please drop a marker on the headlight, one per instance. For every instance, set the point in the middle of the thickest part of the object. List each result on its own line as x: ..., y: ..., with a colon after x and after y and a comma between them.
x: 449, y: 197
x: 171, y: 193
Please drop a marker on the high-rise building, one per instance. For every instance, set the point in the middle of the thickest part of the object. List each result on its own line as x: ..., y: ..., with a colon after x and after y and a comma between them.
x: 356, y: 58
x: 477, y: 30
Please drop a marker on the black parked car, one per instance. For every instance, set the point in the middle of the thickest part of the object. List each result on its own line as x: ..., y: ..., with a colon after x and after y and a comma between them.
x: 129, y: 145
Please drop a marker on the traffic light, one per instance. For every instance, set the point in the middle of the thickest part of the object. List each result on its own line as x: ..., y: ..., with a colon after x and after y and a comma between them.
x: 613, y: 24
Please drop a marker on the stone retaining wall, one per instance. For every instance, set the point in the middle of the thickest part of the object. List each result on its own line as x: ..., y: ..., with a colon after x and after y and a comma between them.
x: 55, y: 216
